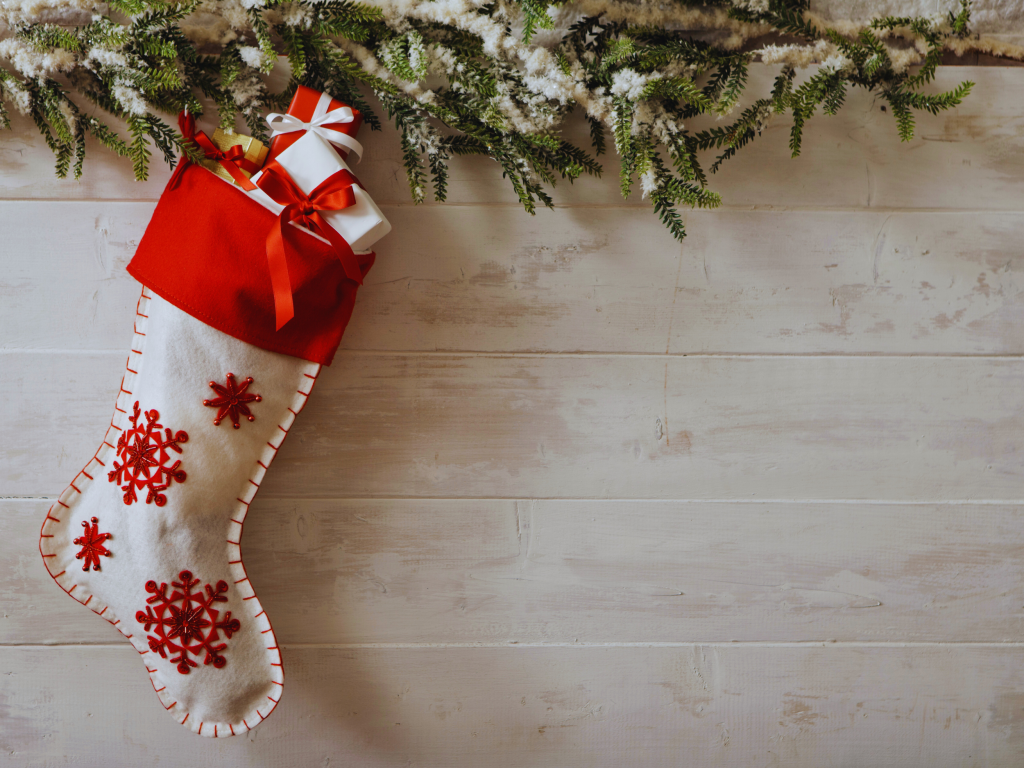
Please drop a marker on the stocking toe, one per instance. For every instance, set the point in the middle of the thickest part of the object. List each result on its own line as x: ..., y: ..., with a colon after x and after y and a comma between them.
x: 148, y: 535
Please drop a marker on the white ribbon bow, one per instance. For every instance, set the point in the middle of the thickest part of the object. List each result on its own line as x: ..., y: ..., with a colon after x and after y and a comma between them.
x: 321, y: 117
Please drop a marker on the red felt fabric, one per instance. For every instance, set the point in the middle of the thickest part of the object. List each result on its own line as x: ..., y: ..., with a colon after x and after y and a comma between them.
x: 205, y: 251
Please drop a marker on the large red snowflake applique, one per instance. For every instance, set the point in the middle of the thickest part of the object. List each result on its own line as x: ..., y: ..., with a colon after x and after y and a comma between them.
x: 232, y: 400
x: 146, y: 456
x: 186, y: 622
x: 92, y: 545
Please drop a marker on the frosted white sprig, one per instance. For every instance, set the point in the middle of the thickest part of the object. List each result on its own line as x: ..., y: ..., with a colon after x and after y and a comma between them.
x: 491, y: 77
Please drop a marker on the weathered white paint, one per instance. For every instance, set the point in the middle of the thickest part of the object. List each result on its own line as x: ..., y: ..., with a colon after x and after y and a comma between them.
x: 970, y: 158
x: 563, y: 707
x: 468, y: 279
x: 521, y: 571
x: 574, y: 494
x: 591, y: 426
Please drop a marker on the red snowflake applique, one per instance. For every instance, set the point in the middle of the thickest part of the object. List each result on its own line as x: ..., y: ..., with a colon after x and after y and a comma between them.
x: 146, y: 454
x: 92, y: 545
x: 232, y: 400
x: 186, y: 622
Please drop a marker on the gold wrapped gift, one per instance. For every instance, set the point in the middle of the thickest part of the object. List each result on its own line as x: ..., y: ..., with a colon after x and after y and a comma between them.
x: 255, y: 152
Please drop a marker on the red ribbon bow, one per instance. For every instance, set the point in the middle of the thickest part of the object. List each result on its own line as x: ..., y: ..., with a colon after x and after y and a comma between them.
x: 333, y: 194
x: 233, y: 161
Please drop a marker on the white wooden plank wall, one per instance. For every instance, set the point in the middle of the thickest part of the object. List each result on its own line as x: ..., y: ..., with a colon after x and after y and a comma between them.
x: 574, y: 494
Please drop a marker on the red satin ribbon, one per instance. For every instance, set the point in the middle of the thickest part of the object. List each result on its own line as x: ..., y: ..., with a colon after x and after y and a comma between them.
x: 333, y: 194
x: 233, y: 161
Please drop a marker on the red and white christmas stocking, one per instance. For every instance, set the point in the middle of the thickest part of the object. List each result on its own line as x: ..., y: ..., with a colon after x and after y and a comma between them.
x: 148, y: 534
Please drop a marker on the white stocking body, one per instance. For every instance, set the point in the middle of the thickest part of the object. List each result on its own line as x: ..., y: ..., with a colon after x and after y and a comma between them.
x: 215, y: 674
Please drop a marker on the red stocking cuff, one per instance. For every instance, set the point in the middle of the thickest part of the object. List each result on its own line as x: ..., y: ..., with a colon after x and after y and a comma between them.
x: 205, y: 252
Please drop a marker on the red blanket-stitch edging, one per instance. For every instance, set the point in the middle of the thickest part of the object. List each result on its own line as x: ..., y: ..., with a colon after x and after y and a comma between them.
x: 67, y: 499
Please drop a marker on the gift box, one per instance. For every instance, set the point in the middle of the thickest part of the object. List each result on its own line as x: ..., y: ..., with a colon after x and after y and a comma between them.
x: 310, y: 160
x: 205, y: 251
x: 255, y: 152
x: 208, y: 251
x: 314, y: 112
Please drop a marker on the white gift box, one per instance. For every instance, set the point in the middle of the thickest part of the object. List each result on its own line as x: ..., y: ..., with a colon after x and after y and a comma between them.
x: 310, y: 161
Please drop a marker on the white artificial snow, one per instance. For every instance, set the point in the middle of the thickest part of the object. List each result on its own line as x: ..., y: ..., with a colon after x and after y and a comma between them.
x: 417, y: 54
x: 105, y: 57
x: 296, y: 15
x: 835, y: 63
x: 530, y: 98
x: 757, y: 6
x: 426, y: 138
x: 32, y: 63
x: 18, y: 96
x: 797, y: 55
x: 371, y: 65
x: 987, y: 16
x: 133, y: 102
x: 251, y: 55
x: 13, y: 12
x: 247, y: 89
x: 69, y: 116
x: 648, y: 183
x: 630, y: 84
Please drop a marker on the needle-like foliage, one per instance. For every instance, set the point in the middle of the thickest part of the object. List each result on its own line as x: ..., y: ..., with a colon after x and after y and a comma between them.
x: 495, y: 78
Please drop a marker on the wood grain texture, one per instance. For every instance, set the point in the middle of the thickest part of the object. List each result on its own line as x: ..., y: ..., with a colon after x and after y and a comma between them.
x: 450, y: 426
x: 967, y: 158
x: 519, y: 571
x: 701, y: 706
x: 575, y: 494
x: 465, y: 279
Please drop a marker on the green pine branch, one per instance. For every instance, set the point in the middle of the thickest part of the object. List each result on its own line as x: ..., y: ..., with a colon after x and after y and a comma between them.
x: 450, y: 94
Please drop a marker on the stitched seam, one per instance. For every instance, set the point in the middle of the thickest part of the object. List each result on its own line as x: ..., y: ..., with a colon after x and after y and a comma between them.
x: 126, y: 388
x: 104, y: 449
x: 239, y: 575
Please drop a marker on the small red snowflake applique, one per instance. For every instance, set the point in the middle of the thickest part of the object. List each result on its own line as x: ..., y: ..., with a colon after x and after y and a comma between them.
x: 232, y: 400
x: 92, y: 545
x: 186, y: 622
x: 146, y: 455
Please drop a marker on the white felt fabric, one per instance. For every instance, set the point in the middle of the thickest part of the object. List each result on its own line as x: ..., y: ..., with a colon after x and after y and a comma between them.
x: 173, y: 359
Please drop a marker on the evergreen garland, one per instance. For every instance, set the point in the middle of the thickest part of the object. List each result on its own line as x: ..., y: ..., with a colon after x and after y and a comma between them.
x: 469, y: 77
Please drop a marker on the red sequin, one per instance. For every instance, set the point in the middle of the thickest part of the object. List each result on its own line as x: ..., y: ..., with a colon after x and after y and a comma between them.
x: 92, y: 545
x: 232, y: 400
x: 146, y: 455
x: 186, y: 622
